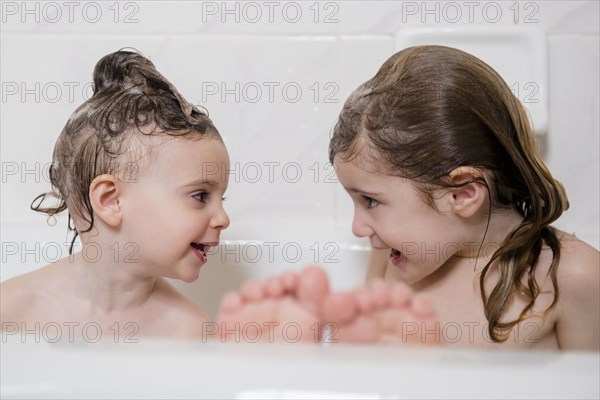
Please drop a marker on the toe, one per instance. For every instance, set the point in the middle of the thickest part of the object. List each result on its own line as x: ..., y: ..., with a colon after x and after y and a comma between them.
x: 400, y: 295
x: 339, y: 308
x: 289, y: 280
x: 313, y: 288
x: 380, y: 294
x: 274, y: 287
x: 364, y: 300
x: 422, y: 307
x: 231, y: 301
x: 251, y: 291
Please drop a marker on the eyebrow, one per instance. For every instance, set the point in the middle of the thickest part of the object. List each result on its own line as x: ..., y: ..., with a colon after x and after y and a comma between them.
x: 359, y: 191
x: 197, y: 182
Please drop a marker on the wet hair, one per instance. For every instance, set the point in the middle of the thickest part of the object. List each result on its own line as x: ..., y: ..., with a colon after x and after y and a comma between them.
x: 130, y: 98
x: 432, y: 109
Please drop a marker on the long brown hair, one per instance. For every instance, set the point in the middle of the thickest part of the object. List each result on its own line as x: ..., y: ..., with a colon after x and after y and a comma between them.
x: 431, y: 109
x: 130, y: 97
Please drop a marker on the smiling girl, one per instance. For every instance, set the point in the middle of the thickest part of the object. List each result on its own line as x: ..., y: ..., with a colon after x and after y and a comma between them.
x: 142, y: 173
x: 439, y: 158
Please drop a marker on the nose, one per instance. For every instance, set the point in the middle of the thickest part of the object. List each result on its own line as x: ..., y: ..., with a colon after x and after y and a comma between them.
x: 220, y: 219
x: 359, y: 226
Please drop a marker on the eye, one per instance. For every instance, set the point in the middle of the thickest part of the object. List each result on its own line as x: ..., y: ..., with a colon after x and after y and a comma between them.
x: 201, y: 196
x: 371, y: 203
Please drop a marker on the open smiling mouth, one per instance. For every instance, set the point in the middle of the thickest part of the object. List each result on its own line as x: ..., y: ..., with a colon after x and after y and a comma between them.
x: 200, y: 249
x: 397, y: 258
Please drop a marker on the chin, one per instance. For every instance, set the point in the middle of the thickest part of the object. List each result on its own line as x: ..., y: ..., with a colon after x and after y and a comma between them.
x: 189, y: 277
x: 410, y: 277
x: 414, y: 279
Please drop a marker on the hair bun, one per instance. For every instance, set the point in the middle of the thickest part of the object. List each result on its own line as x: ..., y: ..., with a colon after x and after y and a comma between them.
x: 123, y: 70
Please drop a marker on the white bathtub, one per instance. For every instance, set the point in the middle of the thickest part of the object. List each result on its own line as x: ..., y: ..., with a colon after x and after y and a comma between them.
x: 168, y: 369
x: 209, y: 369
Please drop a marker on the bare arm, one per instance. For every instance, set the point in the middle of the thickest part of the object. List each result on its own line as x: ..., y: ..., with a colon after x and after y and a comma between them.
x: 578, y: 325
x: 11, y: 309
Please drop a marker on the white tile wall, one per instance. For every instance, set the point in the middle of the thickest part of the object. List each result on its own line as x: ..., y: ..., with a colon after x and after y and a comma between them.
x: 324, y: 48
x: 573, y: 146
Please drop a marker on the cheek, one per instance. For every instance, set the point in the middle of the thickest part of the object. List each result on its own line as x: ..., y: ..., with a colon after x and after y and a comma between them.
x: 150, y: 219
x: 404, y: 225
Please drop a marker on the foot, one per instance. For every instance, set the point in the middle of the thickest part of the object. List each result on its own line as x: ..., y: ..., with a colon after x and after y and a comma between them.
x: 286, y: 308
x: 380, y: 313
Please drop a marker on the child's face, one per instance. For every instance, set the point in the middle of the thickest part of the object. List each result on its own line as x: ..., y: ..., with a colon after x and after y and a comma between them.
x: 389, y: 211
x: 174, y: 211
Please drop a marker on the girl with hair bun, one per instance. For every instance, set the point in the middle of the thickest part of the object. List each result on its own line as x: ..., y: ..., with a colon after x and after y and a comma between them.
x: 142, y: 174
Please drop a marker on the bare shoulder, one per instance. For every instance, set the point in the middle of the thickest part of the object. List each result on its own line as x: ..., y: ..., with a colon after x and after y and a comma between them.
x: 578, y: 278
x: 20, y: 294
x: 578, y: 261
x: 186, y: 318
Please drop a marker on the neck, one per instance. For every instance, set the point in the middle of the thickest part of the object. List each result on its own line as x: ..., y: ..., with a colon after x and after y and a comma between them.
x: 109, y: 286
x: 478, y: 246
x: 501, y: 223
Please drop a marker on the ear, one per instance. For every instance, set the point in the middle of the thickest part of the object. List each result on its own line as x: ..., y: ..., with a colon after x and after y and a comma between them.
x: 104, y: 197
x: 467, y: 198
